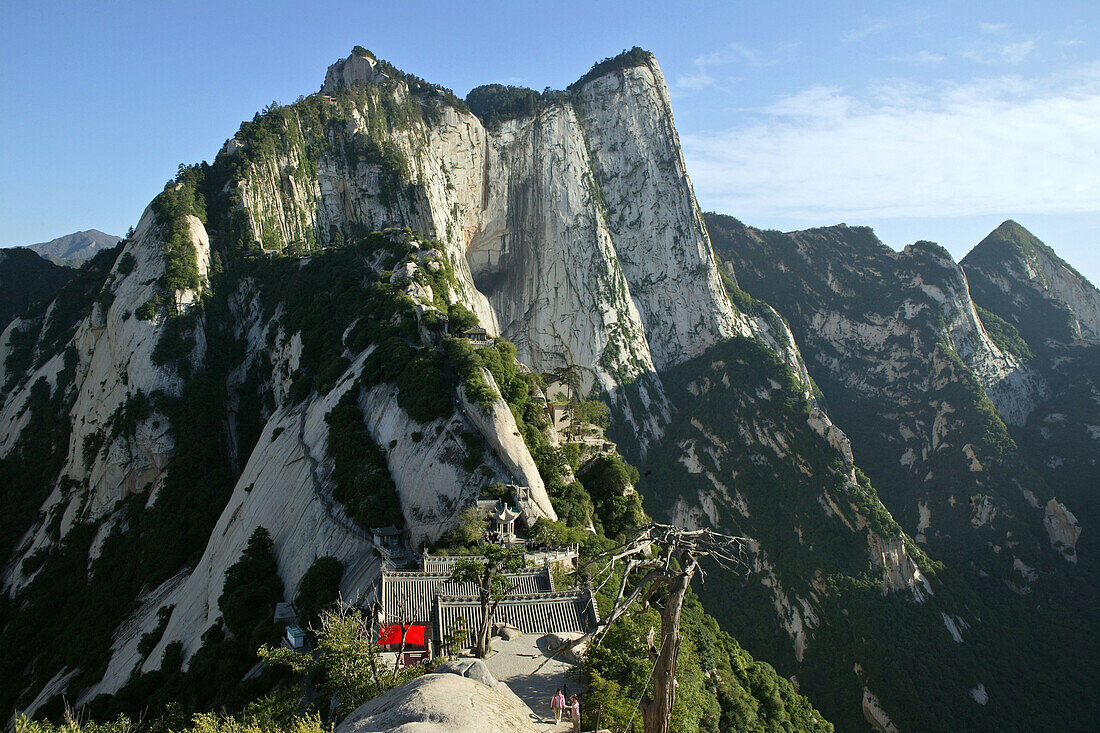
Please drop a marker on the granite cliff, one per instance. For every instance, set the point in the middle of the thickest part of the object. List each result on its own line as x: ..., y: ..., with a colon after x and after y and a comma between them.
x: 310, y: 287
x: 180, y: 393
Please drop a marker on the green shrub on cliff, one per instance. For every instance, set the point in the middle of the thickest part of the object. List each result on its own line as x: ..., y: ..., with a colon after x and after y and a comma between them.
x: 362, y: 478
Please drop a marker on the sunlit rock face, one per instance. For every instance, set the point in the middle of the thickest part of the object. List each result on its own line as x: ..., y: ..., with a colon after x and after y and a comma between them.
x: 573, y: 232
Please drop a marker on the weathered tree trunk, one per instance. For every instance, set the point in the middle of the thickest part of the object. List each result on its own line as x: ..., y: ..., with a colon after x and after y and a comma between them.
x: 484, y: 633
x: 657, y: 709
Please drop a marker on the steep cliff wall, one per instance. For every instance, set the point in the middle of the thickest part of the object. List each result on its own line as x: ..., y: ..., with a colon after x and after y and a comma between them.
x: 544, y: 256
x: 578, y: 221
x: 119, y: 444
x: 654, y: 220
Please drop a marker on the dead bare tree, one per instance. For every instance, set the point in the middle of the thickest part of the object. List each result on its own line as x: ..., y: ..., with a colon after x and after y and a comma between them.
x: 665, y: 557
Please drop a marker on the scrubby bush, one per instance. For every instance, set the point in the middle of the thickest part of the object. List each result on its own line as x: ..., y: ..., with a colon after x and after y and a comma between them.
x: 607, y: 478
x: 320, y: 587
x: 461, y: 319
x: 467, y: 532
x: 346, y: 666
x: 252, y: 587
x: 495, y: 103
x: 362, y: 478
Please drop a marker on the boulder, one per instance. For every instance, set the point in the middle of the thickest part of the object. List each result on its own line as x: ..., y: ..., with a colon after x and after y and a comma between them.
x: 473, y: 669
x: 556, y: 641
x: 506, y: 631
x: 459, y: 697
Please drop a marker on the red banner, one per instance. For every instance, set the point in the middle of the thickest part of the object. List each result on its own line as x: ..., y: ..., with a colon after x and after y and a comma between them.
x: 413, y: 633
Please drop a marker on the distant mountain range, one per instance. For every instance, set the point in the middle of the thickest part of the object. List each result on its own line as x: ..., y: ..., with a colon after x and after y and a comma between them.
x: 73, y: 250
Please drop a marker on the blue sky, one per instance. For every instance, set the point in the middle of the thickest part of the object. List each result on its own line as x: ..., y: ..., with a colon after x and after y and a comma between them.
x: 924, y: 120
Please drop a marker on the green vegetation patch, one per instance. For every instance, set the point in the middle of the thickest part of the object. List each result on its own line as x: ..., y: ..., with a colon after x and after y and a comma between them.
x: 1005, y: 335
x: 362, y: 478
x: 626, y: 60
x: 179, y: 200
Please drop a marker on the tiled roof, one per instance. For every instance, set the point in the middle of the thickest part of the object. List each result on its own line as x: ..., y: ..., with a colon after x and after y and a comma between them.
x: 538, y: 613
x: 444, y: 563
x: 407, y: 596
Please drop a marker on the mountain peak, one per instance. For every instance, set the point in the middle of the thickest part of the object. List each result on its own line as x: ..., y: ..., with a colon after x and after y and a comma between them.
x: 636, y: 56
x: 74, y: 249
x: 1013, y: 235
x: 360, y: 67
x: 1021, y: 279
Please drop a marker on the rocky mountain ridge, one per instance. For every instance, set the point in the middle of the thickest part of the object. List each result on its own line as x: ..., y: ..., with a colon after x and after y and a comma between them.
x: 950, y: 410
x: 190, y: 386
x: 73, y: 250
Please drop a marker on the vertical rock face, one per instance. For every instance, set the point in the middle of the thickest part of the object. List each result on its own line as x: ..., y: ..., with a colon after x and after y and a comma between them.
x: 654, y: 220
x: 355, y: 69
x: 327, y: 177
x: 544, y: 256
x: 1062, y: 528
x: 578, y: 222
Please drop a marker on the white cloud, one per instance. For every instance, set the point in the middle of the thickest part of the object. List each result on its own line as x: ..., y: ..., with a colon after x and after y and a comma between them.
x: 866, y: 30
x: 1000, y: 53
x: 922, y: 58
x: 879, y: 26
x: 997, y: 43
x: 1006, y: 146
x: 731, y: 53
x: 698, y: 80
x: 717, y: 67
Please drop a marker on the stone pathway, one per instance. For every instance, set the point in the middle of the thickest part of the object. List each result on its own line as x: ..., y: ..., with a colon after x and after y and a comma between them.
x: 514, y: 663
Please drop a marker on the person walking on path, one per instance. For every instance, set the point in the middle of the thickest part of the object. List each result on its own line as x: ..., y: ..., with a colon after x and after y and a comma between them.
x: 575, y: 712
x: 557, y: 704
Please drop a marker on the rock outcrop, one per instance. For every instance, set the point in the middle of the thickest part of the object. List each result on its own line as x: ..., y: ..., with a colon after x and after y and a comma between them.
x: 876, y: 715
x: 1062, y: 528
x: 658, y: 231
x: 358, y: 68
x: 459, y: 697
